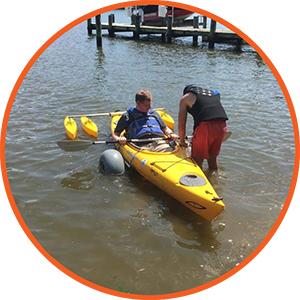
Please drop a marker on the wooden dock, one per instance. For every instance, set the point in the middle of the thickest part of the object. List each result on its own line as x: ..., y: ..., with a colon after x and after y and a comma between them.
x: 210, y: 35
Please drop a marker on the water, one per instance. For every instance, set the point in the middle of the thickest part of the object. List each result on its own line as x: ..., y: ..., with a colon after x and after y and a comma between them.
x: 122, y: 232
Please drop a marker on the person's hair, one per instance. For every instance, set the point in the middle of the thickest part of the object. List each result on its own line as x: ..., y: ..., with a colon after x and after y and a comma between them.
x: 142, y: 95
x: 188, y: 88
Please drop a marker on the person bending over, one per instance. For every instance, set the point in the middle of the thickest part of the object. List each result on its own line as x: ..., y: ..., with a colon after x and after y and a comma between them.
x: 209, y: 123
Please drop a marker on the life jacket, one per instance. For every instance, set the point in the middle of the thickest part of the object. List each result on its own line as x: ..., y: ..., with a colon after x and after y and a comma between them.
x: 143, y: 124
x: 207, y: 106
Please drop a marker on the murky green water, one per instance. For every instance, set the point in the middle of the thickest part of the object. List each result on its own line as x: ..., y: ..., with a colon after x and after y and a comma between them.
x: 122, y: 232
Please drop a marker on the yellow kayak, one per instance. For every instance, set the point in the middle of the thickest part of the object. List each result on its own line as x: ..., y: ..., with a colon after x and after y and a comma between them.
x: 169, y: 121
x: 89, y: 127
x: 70, y: 128
x: 175, y: 174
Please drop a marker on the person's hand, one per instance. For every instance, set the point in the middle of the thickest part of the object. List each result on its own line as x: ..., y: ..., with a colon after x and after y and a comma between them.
x: 173, y: 136
x: 183, y: 143
x: 122, y: 140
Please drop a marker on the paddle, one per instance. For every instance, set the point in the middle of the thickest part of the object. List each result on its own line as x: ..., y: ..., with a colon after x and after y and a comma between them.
x: 77, y: 145
x: 110, y: 114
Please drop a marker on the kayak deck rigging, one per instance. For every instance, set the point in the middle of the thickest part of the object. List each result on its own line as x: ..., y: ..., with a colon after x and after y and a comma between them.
x: 172, y: 163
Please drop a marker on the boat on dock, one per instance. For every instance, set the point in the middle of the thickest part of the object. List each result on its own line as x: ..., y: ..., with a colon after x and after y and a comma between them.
x: 155, y: 15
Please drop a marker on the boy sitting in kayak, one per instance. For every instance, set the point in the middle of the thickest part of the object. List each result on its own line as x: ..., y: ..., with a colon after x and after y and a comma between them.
x: 142, y: 122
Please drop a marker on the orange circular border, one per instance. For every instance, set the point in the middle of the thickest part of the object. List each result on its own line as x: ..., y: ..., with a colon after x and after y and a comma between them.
x: 58, y: 264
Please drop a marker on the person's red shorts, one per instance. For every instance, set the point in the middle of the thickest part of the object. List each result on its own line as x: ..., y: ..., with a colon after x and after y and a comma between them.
x: 207, y: 139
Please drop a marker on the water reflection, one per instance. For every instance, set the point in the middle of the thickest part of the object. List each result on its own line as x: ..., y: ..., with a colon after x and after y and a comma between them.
x: 100, y: 55
x: 82, y: 180
x: 191, y: 231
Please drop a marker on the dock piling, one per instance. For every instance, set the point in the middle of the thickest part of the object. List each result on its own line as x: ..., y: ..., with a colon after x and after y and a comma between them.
x: 169, y: 30
x: 238, y: 45
x: 89, y: 27
x: 204, y: 22
x: 163, y: 34
x: 195, y: 25
x: 99, y: 31
x: 212, y: 33
x: 111, y: 20
x: 136, y: 21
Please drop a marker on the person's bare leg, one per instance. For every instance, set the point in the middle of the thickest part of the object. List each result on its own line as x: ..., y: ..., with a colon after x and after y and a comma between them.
x: 199, y: 161
x: 212, y: 168
x: 212, y: 164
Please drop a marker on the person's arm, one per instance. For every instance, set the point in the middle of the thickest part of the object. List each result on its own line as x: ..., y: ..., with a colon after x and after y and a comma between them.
x: 121, y: 139
x: 122, y: 125
x: 170, y: 134
x: 182, y: 115
x: 166, y: 130
x: 187, y: 101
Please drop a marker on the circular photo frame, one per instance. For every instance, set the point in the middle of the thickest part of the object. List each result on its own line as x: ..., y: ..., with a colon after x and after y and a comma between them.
x: 125, y: 234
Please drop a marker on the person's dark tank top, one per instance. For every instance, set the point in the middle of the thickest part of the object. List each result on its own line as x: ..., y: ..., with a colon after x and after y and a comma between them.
x: 207, y: 106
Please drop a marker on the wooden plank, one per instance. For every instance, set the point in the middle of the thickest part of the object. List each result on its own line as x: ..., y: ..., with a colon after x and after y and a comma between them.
x: 161, y: 29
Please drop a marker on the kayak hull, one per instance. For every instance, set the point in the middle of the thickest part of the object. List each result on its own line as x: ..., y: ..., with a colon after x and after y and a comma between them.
x: 177, y: 175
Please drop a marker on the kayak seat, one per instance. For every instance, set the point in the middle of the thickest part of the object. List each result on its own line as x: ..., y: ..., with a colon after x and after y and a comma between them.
x: 156, y: 146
